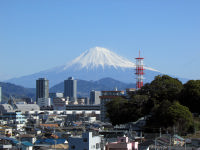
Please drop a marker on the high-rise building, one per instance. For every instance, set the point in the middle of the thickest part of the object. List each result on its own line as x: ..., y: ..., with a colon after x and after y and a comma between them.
x: 0, y: 95
x: 42, y: 88
x: 70, y: 89
x: 94, y: 97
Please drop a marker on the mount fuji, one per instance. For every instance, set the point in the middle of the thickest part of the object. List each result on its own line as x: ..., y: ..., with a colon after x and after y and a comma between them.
x: 94, y: 64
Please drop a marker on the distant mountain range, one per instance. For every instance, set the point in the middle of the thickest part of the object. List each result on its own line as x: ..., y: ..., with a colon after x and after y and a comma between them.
x: 9, y: 89
x: 83, y: 88
x: 94, y: 64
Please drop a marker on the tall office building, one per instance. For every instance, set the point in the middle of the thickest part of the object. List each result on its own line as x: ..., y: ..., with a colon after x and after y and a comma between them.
x: 94, y: 97
x: 42, y: 88
x: 0, y: 95
x: 70, y: 89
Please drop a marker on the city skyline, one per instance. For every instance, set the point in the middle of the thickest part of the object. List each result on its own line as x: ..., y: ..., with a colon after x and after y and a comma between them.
x: 38, y: 35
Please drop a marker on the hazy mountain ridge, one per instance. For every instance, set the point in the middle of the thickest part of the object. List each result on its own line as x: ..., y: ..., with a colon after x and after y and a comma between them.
x: 84, y: 87
x: 9, y: 89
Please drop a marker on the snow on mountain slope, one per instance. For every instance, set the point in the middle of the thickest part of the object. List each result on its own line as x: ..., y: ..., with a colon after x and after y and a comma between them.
x: 101, y: 57
x: 94, y: 64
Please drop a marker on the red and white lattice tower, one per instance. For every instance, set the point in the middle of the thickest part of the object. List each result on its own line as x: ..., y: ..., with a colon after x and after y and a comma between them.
x: 139, y: 71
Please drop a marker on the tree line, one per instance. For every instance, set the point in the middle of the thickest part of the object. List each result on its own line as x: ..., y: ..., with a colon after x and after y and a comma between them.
x: 165, y: 101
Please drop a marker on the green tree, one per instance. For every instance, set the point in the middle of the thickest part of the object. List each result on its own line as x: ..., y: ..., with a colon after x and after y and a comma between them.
x: 153, y: 98
x: 190, y: 95
x: 159, y: 117
x: 180, y: 117
x: 136, y: 106
x: 165, y: 87
x: 162, y: 88
x: 117, y: 110
x: 121, y: 110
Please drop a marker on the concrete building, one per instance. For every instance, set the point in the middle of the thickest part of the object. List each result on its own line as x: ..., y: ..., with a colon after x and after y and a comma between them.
x: 83, y: 107
x: 59, y: 103
x: 15, y: 118
x: 70, y: 89
x: 55, y: 95
x: 6, y: 108
x: 42, y: 88
x: 86, y: 142
x: 106, y: 97
x: 122, y: 144
x: 87, y: 100
x: 94, y: 97
x: 44, y: 102
x: 81, y: 101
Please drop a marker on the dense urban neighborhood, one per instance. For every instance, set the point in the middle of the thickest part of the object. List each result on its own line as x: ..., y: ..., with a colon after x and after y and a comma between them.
x: 162, y: 114
x: 99, y: 75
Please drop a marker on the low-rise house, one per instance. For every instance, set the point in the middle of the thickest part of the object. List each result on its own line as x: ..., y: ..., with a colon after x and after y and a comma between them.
x: 28, y: 137
x: 178, y: 141
x: 5, y: 144
x: 49, y: 125
x: 25, y: 145
x: 46, y: 142
x: 8, y: 143
x: 122, y: 144
x: 195, y: 142
x: 5, y: 130
x: 87, y: 142
x: 147, y: 145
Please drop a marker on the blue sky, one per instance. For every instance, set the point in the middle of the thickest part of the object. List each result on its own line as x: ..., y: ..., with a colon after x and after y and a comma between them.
x: 36, y: 35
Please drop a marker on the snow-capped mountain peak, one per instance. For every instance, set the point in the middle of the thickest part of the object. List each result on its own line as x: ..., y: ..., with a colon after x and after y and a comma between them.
x: 94, y: 64
x: 100, y: 57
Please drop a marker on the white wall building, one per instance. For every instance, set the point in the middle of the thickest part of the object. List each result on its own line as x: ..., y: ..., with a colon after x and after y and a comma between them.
x: 86, y: 142
x: 94, y: 97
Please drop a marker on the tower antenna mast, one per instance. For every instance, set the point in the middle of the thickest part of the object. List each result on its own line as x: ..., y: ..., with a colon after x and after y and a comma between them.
x: 139, y: 71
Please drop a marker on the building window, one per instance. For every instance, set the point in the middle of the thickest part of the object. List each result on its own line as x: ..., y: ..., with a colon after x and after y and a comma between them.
x: 97, y: 145
x: 85, y: 140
